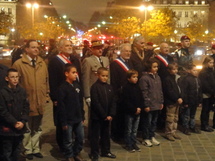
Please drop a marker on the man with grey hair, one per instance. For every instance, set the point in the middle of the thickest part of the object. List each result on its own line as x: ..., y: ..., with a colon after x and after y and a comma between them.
x: 118, y: 69
x: 56, y: 77
x: 139, y: 55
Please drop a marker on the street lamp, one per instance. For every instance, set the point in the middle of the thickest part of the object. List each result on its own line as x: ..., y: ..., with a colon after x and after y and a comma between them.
x: 146, y: 8
x: 32, y: 6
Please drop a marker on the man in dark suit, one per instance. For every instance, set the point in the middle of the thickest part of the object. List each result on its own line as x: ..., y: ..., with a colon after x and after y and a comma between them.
x: 3, y: 73
x: 56, y: 77
x: 118, y: 69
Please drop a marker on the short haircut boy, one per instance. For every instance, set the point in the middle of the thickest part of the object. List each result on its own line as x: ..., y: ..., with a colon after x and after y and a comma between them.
x: 130, y: 73
x: 11, y: 70
x: 172, y: 66
x: 149, y: 63
x: 190, y: 67
x: 68, y: 67
x: 101, y: 69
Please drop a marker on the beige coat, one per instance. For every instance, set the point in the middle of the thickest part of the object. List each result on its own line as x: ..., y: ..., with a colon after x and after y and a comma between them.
x: 35, y: 81
x: 89, y: 72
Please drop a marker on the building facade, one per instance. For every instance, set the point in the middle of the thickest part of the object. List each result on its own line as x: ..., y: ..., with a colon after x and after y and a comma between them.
x: 185, y: 10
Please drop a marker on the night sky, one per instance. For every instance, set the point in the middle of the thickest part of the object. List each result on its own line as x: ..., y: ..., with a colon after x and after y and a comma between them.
x: 79, y: 10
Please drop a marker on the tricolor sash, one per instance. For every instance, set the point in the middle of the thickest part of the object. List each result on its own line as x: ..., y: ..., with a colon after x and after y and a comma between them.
x: 121, y: 64
x: 65, y: 60
x: 162, y: 60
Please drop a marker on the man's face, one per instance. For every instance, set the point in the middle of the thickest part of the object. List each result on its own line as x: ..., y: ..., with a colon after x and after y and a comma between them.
x: 140, y: 44
x: 33, y: 49
x: 97, y: 51
x: 66, y: 47
x: 126, y: 52
x: 164, y: 49
x: 185, y: 43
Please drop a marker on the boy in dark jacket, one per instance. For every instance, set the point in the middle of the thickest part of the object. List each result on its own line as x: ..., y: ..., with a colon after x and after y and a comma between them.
x: 71, y: 114
x: 14, y: 110
x: 101, y: 113
x: 192, y: 99
x: 132, y: 104
x: 172, y: 100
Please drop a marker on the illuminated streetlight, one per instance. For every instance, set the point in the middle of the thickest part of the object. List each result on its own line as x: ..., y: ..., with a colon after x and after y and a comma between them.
x: 64, y: 16
x: 32, y: 6
x: 45, y: 16
x: 111, y: 17
x: 99, y: 25
x: 103, y: 22
x: 146, y: 8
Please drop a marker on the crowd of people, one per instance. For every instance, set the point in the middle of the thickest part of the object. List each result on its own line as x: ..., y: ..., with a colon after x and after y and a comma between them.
x: 137, y: 90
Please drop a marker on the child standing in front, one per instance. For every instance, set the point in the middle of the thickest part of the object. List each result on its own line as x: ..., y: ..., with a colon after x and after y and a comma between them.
x: 151, y: 88
x: 71, y: 114
x: 102, y: 111
x: 207, y: 79
x: 14, y: 110
x: 173, y: 100
x: 192, y: 99
x: 132, y: 104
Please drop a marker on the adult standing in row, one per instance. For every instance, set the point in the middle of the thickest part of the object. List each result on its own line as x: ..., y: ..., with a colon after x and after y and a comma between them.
x: 139, y: 55
x: 56, y: 68
x: 34, y: 78
x: 3, y: 73
x: 118, y: 69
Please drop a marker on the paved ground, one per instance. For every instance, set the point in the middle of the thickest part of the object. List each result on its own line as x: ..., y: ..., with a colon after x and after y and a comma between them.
x: 197, y: 147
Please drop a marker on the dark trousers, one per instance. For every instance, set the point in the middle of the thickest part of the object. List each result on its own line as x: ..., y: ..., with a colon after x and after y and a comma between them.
x: 149, y: 123
x: 100, y: 129
x: 10, y: 147
x: 188, y: 116
x: 207, y: 106
x: 118, y: 124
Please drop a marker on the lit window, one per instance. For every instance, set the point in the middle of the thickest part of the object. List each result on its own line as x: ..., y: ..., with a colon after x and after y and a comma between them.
x: 186, y: 2
x: 9, y: 10
x: 203, y: 2
x: 195, y: 2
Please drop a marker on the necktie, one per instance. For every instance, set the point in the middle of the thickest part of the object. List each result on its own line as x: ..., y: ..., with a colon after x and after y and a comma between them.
x: 100, y: 60
x: 33, y: 63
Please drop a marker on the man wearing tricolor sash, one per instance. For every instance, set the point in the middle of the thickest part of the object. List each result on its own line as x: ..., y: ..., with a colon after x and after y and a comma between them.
x: 164, y: 59
x: 118, y: 69
x: 56, y: 77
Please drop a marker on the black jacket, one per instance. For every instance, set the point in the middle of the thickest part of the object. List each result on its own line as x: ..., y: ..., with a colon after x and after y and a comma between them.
x: 172, y: 89
x: 102, y: 101
x: 3, y: 73
x: 56, y: 74
x: 131, y: 98
x: 207, y: 78
x: 13, y: 107
x: 162, y: 70
x: 70, y: 104
x: 192, y: 90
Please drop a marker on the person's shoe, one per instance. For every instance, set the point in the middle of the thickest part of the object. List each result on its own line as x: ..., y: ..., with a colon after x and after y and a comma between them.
x: 108, y: 155
x: 170, y: 137
x: 29, y: 156
x: 208, y: 129
x: 130, y: 149
x: 186, y: 131
x: 38, y: 155
x: 136, y: 148
x: 147, y: 143
x: 176, y: 136
x: 93, y: 158
x: 155, y: 142
x: 78, y: 158
x: 70, y: 159
x: 195, y: 130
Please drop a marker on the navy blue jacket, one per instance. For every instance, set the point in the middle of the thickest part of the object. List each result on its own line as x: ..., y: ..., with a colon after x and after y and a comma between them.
x: 13, y: 107
x: 70, y: 104
x: 102, y: 101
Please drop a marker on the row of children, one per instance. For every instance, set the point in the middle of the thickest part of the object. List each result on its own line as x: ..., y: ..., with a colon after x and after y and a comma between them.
x: 143, y: 97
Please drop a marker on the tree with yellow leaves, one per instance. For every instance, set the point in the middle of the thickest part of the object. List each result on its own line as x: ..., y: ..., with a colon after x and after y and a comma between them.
x: 6, y: 22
